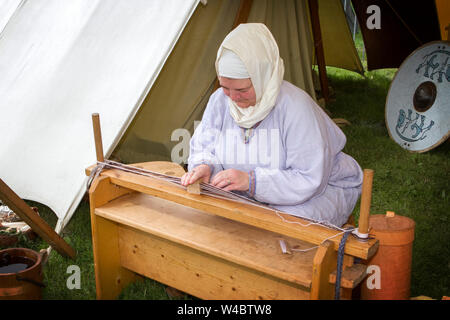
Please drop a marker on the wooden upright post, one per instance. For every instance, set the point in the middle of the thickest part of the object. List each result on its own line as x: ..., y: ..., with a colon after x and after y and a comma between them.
x: 366, y: 198
x: 98, y: 137
x: 241, y: 17
x: 243, y: 12
x: 318, y: 48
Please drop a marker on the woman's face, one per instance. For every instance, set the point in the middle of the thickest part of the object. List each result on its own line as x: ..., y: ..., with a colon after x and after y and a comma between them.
x: 241, y: 91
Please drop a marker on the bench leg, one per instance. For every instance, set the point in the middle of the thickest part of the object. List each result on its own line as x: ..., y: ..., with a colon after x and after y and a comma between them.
x: 324, y: 263
x: 110, y: 276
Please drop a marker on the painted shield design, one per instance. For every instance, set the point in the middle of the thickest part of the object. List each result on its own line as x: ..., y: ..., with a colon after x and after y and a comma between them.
x: 418, y: 103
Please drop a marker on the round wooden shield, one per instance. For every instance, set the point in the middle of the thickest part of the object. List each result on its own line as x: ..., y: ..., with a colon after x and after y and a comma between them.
x: 418, y: 102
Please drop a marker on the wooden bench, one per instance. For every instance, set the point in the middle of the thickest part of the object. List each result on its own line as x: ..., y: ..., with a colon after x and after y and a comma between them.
x: 208, y: 247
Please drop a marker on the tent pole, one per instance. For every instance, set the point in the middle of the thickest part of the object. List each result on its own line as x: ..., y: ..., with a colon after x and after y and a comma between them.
x: 241, y: 17
x: 243, y: 12
x: 32, y: 219
x: 318, y: 45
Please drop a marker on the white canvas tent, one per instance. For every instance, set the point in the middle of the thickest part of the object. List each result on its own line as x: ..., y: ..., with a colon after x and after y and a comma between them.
x: 189, y: 71
x: 61, y: 61
x: 7, y: 9
x: 145, y: 66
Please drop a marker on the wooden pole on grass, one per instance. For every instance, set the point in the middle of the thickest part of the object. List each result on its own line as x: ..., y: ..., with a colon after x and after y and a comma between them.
x: 31, y: 218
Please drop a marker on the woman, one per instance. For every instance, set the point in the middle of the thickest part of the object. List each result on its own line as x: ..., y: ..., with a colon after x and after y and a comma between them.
x: 267, y: 139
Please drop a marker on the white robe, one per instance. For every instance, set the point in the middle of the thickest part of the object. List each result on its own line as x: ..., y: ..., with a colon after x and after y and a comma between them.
x: 295, y: 153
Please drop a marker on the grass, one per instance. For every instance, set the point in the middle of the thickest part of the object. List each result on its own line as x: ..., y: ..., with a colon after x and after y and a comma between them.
x: 410, y: 184
x: 78, y: 235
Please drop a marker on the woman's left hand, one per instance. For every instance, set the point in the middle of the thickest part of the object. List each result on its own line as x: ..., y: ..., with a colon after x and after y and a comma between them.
x: 231, y: 179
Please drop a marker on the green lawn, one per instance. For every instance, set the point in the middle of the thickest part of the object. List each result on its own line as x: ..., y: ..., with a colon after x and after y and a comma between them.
x: 412, y: 185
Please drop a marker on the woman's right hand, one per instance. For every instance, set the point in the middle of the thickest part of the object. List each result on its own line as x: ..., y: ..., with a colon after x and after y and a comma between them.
x: 202, y: 172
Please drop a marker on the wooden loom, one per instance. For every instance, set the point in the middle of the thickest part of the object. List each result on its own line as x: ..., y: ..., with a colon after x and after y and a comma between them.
x: 210, y: 248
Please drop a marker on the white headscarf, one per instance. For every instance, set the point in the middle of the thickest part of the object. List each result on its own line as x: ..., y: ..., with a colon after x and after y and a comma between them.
x: 231, y: 66
x: 255, y: 46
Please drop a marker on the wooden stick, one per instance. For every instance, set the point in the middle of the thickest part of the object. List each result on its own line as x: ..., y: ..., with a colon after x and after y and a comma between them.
x: 318, y: 46
x: 98, y: 137
x: 21, y: 208
x: 241, y: 17
x: 194, y: 188
x: 243, y: 12
x: 366, y: 198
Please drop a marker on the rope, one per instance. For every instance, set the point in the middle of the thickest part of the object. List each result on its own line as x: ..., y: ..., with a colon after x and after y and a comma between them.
x: 94, y: 174
x: 340, y: 259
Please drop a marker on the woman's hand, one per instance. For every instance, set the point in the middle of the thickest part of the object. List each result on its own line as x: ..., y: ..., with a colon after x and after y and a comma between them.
x: 202, y: 172
x: 231, y: 179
